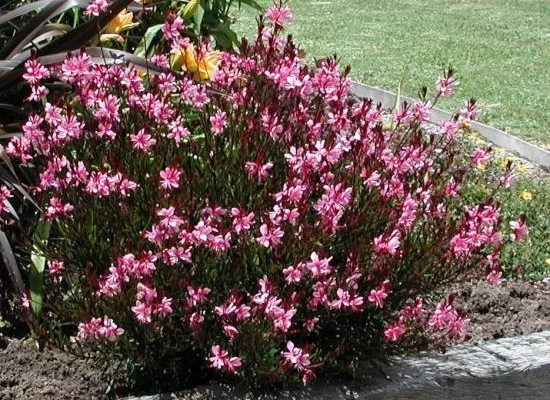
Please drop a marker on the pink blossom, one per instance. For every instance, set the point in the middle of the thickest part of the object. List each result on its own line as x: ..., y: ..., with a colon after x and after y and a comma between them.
x: 164, y: 307
x: 479, y: 157
x: 388, y: 245
x: 395, y: 331
x: 270, y: 237
x: 220, y: 360
x: 142, y: 141
x: 197, y: 295
x: 284, y: 321
x: 317, y: 266
x: 469, y: 112
x: 230, y: 331
x: 278, y: 15
x: 25, y: 302
x: 35, y: 72
x: 55, y: 267
x: 169, y: 221
x: 142, y: 312
x: 241, y: 222
x: 195, y: 320
x: 448, y: 129
x: 96, y: 7
x: 441, y: 317
x: 292, y: 274
x: 109, y: 330
x: 171, y: 29
x: 445, y: 86
x: 519, y: 229
x: 296, y: 357
x: 169, y: 178
x: 494, y: 277
x: 98, y: 328
x: 218, y: 122
x: 378, y: 295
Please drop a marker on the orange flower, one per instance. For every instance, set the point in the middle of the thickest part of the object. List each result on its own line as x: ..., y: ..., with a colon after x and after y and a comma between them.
x: 120, y: 23
x: 201, y: 66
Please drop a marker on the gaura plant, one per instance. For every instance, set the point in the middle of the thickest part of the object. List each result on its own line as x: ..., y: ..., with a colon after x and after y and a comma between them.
x: 257, y: 221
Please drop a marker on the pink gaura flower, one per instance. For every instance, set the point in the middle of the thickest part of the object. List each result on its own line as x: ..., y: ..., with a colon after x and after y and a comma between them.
x: 395, y: 331
x: 292, y: 274
x: 230, y: 331
x: 218, y: 122
x: 55, y: 267
x: 270, y: 236
x: 440, y: 318
x: 109, y: 330
x: 448, y: 129
x: 220, y: 360
x: 35, y: 72
x: 257, y: 171
x: 388, y: 245
x: 445, y: 86
x: 295, y: 357
x: 278, y: 15
x: 519, y: 229
x: 317, y: 266
x: 142, y: 141
x: 96, y: 7
x: 242, y: 222
x: 170, y: 221
x: 164, y: 307
x: 169, y: 178
x: 197, y: 295
x: 494, y: 277
x: 378, y: 295
x: 142, y: 312
x: 479, y: 157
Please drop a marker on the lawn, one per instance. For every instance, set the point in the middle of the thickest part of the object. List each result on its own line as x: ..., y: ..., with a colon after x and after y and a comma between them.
x: 500, y: 48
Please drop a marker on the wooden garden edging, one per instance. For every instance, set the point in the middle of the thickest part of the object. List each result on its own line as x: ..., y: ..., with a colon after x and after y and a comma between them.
x: 505, y: 140
x: 515, y: 368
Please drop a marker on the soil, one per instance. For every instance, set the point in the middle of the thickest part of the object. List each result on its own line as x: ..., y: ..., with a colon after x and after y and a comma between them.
x: 514, y: 308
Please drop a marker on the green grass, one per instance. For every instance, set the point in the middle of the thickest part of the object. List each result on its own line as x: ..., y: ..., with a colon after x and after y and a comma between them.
x: 500, y: 48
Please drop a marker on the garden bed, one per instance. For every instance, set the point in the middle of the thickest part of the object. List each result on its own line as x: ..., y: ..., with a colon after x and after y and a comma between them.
x: 515, y: 308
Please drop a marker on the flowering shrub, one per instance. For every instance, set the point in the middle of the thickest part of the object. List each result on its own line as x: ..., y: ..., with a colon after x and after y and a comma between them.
x: 261, y: 222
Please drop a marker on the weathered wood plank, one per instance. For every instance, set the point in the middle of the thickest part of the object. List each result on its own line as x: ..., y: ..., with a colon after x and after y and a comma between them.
x: 506, y: 369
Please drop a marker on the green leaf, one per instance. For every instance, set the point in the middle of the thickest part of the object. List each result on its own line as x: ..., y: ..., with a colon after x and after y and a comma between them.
x: 38, y: 264
x: 146, y: 43
x: 197, y: 18
x: 225, y: 36
x: 190, y: 9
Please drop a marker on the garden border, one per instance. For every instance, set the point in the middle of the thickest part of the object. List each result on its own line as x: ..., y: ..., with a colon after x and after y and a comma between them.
x: 500, y: 138
x: 504, y: 369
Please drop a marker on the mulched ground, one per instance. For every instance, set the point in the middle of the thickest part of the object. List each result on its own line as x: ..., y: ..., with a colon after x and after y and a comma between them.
x: 515, y: 308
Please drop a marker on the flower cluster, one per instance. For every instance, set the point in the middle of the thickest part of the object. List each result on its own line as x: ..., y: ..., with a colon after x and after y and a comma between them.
x: 247, y: 206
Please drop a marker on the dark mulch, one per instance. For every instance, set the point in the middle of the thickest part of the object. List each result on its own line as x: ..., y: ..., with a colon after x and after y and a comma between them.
x: 515, y: 308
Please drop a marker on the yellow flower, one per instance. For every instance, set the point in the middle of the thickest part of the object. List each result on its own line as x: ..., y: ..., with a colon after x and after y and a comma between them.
x: 201, y: 66
x: 547, y: 261
x: 526, y: 195
x: 521, y: 168
x: 122, y: 22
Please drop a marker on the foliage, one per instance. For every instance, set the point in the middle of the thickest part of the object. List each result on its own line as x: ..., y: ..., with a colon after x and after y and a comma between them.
x: 251, y: 218
x: 500, y: 48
